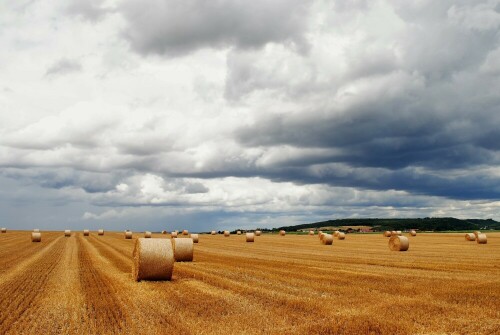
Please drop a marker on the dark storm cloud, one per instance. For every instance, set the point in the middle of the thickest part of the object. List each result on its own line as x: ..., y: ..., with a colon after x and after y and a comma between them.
x: 177, y: 27
x: 62, y: 67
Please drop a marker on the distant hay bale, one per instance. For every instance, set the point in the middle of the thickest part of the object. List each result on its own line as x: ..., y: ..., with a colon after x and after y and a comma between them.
x: 258, y: 232
x: 4, y: 230
x: 250, y: 237
x: 173, y: 234
x: 413, y: 232
x: 67, y: 233
x: 321, y: 235
x: 238, y: 232
x: 36, y: 237
x: 387, y: 233
x: 36, y: 230
x: 147, y: 234
x: 399, y: 232
x: 327, y: 239
x: 185, y: 232
x: 477, y: 233
x: 128, y: 235
x: 282, y: 233
x: 341, y: 236
x: 481, y: 239
x: 311, y: 232
x: 399, y: 243
x: 164, y: 232
x: 195, y: 238
x: 213, y: 232
x: 86, y: 232
x: 470, y: 237
x: 336, y: 233
x: 183, y: 249
x: 153, y: 259
x: 100, y: 232
x: 226, y: 233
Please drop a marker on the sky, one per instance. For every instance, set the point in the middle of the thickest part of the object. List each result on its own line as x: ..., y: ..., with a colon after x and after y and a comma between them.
x: 223, y: 114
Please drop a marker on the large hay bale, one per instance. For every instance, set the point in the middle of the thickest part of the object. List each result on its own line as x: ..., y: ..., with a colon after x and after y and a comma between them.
x: 67, y: 233
x: 86, y: 232
x: 185, y: 232
x: 282, y: 233
x: 153, y: 259
x: 173, y: 234
x: 399, y: 243
x: 238, y: 232
x: 226, y: 233
x: 311, y: 232
x: 213, y: 232
x: 183, y: 249
x: 36, y: 230
x: 341, y: 236
x: 327, y: 239
x: 100, y: 232
x: 147, y: 234
x: 128, y: 235
x: 258, y: 232
x: 250, y: 237
x: 470, y: 237
x: 413, y: 232
x: 4, y: 230
x: 481, y: 239
x: 195, y: 238
x: 387, y: 233
x: 36, y: 237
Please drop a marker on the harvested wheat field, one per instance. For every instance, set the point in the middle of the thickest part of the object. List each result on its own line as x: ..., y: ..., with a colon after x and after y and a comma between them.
x: 287, y: 284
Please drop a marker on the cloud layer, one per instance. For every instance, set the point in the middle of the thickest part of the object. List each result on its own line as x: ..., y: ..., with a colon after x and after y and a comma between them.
x: 231, y: 113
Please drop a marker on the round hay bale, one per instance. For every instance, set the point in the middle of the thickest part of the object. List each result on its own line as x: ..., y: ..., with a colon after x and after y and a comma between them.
x: 36, y: 237
x: 470, y: 237
x: 341, y: 236
x: 164, y: 232
x: 282, y: 233
x: 258, y: 232
x: 250, y: 237
x: 100, y: 232
x: 4, y: 230
x: 238, y: 232
x: 86, y: 232
x: 481, y: 239
x: 185, y: 232
x: 153, y: 259
x: 327, y: 239
x: 147, y: 234
x: 336, y: 233
x: 183, y: 249
x: 413, y: 233
x: 195, y: 238
x: 477, y: 233
x: 311, y: 232
x: 226, y: 233
x: 321, y: 235
x: 36, y: 230
x: 67, y: 233
x: 394, y: 233
x: 399, y: 232
x: 399, y: 243
x: 387, y: 233
x: 213, y: 232
x: 173, y: 234
x: 128, y: 235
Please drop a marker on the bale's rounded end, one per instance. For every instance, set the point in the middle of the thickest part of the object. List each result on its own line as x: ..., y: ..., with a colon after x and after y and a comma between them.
x: 470, y: 237
x: 387, y: 233
x: 185, y: 232
x: 481, y: 239
x: 327, y: 239
x: 282, y: 233
x: 153, y: 259
x: 399, y: 243
x: 183, y: 249
x: 341, y: 236
x: 413, y: 233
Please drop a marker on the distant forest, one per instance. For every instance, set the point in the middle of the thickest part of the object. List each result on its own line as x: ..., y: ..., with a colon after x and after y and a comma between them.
x: 434, y: 224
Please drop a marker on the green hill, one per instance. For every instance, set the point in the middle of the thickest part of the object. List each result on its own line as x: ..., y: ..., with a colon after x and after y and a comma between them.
x: 434, y: 224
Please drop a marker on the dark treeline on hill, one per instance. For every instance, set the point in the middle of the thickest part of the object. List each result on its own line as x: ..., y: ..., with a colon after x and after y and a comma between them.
x: 434, y: 224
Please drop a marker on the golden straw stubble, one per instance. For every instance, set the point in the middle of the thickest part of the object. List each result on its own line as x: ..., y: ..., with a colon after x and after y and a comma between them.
x: 153, y: 259
x: 250, y: 237
x: 183, y: 249
x: 36, y: 237
x: 399, y: 243
x: 195, y: 238
x: 481, y: 239
x: 470, y: 237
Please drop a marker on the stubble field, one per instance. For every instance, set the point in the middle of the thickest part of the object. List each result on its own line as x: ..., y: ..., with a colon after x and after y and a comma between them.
x: 277, y: 285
